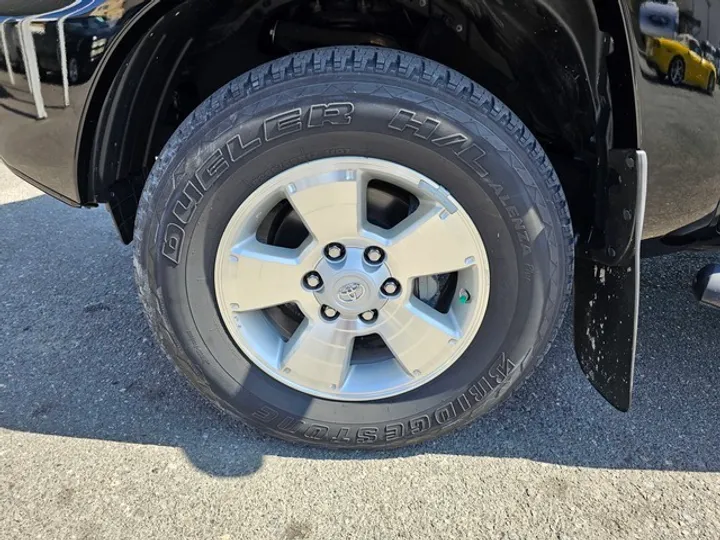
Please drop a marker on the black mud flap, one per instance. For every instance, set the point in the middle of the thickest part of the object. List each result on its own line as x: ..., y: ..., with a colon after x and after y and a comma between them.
x: 607, y: 285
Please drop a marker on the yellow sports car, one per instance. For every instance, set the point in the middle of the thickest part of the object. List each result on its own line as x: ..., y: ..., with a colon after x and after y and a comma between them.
x: 681, y: 61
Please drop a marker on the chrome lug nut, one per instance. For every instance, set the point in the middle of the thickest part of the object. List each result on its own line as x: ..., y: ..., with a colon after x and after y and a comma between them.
x: 329, y: 313
x: 369, y: 316
x: 374, y: 255
x: 391, y: 287
x: 313, y: 281
x: 334, y: 251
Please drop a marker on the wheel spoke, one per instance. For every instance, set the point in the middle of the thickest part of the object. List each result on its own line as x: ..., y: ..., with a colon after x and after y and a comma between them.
x: 431, y: 241
x: 261, y: 276
x: 339, y: 284
x: 319, y: 354
x: 332, y: 207
x: 419, y: 337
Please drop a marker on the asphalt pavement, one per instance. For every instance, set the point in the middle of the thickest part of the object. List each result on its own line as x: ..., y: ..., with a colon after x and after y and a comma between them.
x: 100, y: 438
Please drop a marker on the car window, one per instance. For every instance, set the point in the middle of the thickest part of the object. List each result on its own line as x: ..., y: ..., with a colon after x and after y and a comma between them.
x: 91, y: 23
x: 695, y: 47
x: 96, y: 23
x: 660, y: 20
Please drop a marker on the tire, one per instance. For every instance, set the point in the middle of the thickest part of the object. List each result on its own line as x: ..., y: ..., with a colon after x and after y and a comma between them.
x: 676, y: 71
x: 19, y: 66
x: 711, y: 85
x: 74, y: 72
x: 488, y: 162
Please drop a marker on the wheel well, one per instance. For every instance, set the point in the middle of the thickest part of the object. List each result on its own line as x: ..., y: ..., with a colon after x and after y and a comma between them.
x: 172, y: 59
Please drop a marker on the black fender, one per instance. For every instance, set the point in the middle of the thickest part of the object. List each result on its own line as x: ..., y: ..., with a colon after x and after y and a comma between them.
x: 566, y: 67
x: 543, y: 62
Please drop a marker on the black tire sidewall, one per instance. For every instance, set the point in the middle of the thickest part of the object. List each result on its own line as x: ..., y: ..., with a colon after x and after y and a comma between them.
x: 498, y: 191
x: 78, y: 73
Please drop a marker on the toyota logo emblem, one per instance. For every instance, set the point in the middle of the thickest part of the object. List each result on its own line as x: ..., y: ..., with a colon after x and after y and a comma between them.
x: 351, y: 292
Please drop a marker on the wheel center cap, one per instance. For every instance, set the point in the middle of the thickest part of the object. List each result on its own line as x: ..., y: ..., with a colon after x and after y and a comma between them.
x: 352, y: 286
x: 351, y: 292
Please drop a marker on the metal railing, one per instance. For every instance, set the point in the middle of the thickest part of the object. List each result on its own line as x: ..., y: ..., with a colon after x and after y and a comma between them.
x: 28, y: 52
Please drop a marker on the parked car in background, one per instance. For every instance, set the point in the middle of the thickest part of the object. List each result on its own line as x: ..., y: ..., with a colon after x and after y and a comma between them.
x: 710, y: 53
x: 681, y: 61
x: 85, y: 42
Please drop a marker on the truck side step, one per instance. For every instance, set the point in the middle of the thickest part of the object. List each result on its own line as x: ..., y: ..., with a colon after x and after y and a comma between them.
x: 707, y: 285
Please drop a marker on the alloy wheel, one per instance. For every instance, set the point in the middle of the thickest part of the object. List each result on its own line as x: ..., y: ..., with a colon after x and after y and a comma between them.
x: 676, y: 72
x: 353, y: 309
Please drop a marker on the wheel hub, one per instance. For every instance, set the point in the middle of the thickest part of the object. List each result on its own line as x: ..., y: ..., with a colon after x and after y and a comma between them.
x: 351, y: 285
x: 363, y: 334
